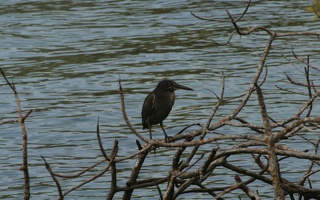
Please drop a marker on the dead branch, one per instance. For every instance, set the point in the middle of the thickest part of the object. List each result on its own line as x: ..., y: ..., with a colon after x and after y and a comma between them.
x: 24, y: 166
x: 199, y: 153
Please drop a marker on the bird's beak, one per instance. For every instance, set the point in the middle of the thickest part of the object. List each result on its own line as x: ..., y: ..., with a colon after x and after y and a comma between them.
x: 177, y: 86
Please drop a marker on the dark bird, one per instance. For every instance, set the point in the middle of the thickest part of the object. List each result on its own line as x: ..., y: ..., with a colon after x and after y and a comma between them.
x: 158, y: 104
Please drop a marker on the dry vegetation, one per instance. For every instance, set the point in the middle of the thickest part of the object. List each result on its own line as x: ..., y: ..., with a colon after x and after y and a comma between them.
x: 265, y: 145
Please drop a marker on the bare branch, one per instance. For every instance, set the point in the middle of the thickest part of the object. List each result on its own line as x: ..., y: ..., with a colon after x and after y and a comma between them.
x: 60, y: 196
x: 251, y: 194
x: 215, y: 108
x: 201, y: 153
x: 24, y: 166
x: 9, y: 121
x: 301, y: 60
x: 226, y: 43
x: 100, y: 143
x: 216, y: 20
x: 123, y: 109
x: 297, y: 68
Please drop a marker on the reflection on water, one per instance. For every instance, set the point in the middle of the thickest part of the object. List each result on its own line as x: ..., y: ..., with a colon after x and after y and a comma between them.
x: 66, y: 57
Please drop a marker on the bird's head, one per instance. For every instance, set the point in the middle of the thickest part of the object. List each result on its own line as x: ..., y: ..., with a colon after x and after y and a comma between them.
x: 170, y: 85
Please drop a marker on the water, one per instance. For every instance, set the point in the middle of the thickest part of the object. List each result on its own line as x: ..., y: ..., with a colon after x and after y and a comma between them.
x: 66, y: 57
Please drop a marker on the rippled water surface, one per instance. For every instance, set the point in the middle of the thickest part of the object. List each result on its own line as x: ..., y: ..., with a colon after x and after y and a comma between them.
x: 66, y: 57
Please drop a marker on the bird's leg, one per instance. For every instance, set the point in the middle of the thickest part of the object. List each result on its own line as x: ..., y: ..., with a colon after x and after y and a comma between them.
x: 154, y: 150
x: 150, y: 133
x: 165, y: 134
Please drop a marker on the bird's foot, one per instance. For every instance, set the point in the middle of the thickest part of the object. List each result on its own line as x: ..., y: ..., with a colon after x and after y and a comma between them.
x: 154, y: 150
x: 168, y: 139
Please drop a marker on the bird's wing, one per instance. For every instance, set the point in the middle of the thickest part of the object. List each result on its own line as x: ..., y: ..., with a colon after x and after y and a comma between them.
x: 147, y: 108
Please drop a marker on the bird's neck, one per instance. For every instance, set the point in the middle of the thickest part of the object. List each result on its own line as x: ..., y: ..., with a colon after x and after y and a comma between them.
x: 167, y: 96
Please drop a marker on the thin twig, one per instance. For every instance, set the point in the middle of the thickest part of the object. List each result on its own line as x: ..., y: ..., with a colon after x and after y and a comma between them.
x: 24, y: 166
x: 60, y: 196
x: 125, y: 116
x: 100, y: 143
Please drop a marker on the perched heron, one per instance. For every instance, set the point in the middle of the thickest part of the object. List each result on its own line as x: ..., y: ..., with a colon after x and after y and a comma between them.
x: 158, y: 104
